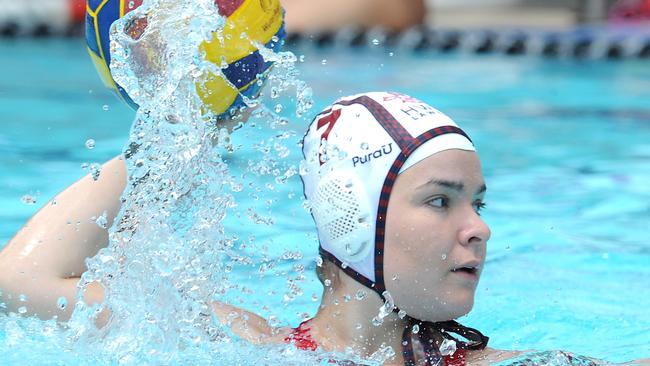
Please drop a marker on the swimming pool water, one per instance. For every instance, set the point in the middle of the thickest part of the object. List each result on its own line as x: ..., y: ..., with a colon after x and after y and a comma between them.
x: 565, y: 147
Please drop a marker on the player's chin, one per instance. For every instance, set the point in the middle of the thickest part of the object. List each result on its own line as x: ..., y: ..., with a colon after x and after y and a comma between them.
x: 460, y: 303
x: 465, y: 305
x: 451, y: 308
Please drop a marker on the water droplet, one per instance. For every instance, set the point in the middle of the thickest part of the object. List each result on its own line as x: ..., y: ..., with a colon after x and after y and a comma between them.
x: 105, y: 107
x: 62, y: 303
x: 347, y: 298
x: 90, y: 144
x: 443, y: 256
x: 314, y: 297
x: 278, y: 108
x: 28, y: 199
x: 375, y: 42
x: 319, y: 261
x: 376, y: 321
x: 324, y: 62
x: 447, y: 347
x: 22, y: 310
x: 273, y: 321
x: 344, y: 265
x: 364, y: 146
x: 131, y: 4
x: 358, y: 326
x: 106, y: 258
x: 102, y: 221
x: 360, y: 295
x: 327, y: 282
x: 415, y: 329
x: 391, y: 54
x: 95, y: 171
x: 22, y: 298
x: 401, y: 314
x: 237, y: 187
x: 389, y: 305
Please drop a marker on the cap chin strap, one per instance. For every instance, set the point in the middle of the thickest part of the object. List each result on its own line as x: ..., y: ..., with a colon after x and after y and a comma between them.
x: 427, y: 337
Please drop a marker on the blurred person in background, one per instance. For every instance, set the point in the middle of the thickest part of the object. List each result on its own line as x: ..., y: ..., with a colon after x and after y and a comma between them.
x: 624, y: 11
x: 306, y: 16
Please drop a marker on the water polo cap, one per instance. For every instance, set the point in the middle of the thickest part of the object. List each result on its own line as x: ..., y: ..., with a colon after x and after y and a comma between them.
x: 354, y: 151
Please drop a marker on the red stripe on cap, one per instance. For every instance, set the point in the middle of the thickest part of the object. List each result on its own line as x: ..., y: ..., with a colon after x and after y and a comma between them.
x: 329, y: 121
x: 77, y: 9
x: 227, y: 7
x: 132, y: 5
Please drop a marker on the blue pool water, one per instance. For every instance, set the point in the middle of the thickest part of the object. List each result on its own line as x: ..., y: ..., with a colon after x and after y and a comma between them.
x: 565, y: 147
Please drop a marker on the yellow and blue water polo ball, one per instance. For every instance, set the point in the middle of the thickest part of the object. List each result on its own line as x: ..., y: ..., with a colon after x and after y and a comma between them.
x: 261, y: 20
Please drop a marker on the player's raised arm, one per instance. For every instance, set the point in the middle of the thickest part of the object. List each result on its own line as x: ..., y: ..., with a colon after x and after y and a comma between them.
x: 42, y: 264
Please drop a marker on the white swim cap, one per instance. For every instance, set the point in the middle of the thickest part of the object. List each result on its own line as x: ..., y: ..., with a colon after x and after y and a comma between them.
x: 354, y: 151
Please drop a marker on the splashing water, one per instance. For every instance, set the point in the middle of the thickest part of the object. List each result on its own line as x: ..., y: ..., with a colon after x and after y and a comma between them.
x: 169, y: 243
x: 159, y: 270
x: 385, y: 309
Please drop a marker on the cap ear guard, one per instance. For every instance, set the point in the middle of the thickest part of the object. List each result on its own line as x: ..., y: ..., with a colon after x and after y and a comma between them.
x: 343, y: 216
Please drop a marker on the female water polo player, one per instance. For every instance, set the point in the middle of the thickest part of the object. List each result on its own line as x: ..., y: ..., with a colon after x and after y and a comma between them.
x: 395, y: 189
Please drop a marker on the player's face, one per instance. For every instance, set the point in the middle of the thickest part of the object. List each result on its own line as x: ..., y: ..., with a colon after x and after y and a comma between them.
x: 435, y: 241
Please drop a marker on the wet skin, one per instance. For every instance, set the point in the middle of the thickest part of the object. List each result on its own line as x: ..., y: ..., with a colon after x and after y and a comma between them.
x: 435, y: 239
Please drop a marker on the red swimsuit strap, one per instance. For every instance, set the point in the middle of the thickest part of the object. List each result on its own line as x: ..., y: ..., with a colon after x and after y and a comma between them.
x: 302, y: 338
x: 457, y: 359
